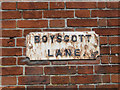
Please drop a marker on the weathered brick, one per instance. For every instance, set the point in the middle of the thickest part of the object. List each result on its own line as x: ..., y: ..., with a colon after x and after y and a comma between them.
x: 35, y: 87
x: 107, y: 31
x: 85, y: 69
x: 8, y: 42
x: 102, y: 22
x: 20, y: 61
x: 114, y: 59
x: 33, y: 70
x: 114, y: 40
x: 81, y: 22
x: 103, y: 40
x: 105, y: 13
x: 115, y: 78
x: 60, y: 79
x: 31, y: 80
x: 9, y: 81
x: 13, y: 88
x: 8, y: 61
x: 11, y: 15
x: 57, y: 30
x: 107, y: 69
x: 20, y: 42
x: 58, y: 14
x: 115, y: 49
x: 12, y: 70
x: 56, y: 5
x: 113, y: 5
x: 27, y: 31
x: 78, y: 5
x: 82, y: 29
x: 32, y: 23
x: 106, y: 78
x: 32, y: 14
x: 11, y: 33
x: 101, y: 4
x: 9, y: 5
x: 61, y: 87
x: 113, y: 22
x: 8, y: 24
x: 105, y: 59
x: 57, y: 23
x: 85, y: 79
x: 60, y: 70
x: 59, y: 62
x: 32, y: 5
x: 112, y: 86
x: 11, y: 51
x: 105, y: 50
x: 86, y: 86
x: 82, y: 13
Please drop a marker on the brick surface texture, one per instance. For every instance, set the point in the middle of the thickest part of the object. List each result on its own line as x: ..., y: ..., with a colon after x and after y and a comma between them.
x: 20, y: 18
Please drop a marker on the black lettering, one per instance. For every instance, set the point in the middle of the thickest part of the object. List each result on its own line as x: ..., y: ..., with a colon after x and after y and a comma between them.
x: 49, y: 53
x: 77, y: 52
x: 59, y: 38
x: 88, y: 37
x: 37, y: 39
x: 44, y: 38
x: 81, y: 37
x: 52, y: 38
x: 66, y: 40
x: 67, y: 53
x: 58, y: 53
x: 74, y: 36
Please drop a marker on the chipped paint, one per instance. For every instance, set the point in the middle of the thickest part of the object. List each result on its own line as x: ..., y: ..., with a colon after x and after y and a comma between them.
x: 64, y: 45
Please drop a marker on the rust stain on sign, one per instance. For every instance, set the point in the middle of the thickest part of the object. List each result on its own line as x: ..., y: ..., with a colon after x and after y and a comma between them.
x: 62, y: 45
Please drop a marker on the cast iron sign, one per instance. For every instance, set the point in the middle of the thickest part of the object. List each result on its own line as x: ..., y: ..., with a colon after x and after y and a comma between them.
x: 62, y: 45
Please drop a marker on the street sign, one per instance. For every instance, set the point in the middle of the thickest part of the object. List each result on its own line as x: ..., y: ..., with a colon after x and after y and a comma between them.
x: 62, y: 45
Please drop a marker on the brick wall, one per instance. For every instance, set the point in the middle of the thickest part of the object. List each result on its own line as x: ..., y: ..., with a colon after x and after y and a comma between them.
x: 21, y: 18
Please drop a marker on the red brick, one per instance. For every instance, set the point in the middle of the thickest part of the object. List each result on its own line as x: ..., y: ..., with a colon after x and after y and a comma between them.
x: 85, y: 69
x: 103, y: 40
x: 102, y: 22
x: 82, y: 29
x: 58, y: 14
x: 60, y: 79
x: 82, y: 13
x: 57, y: 23
x: 115, y: 78
x: 9, y: 81
x: 11, y: 33
x: 57, y: 30
x: 11, y: 15
x: 86, y: 86
x: 32, y: 23
x: 13, y: 88
x: 105, y: 59
x: 33, y: 70
x: 114, y: 59
x: 112, y: 86
x: 60, y: 70
x: 113, y: 22
x: 20, y: 42
x: 12, y: 70
x: 24, y: 51
x: 8, y: 61
x: 105, y: 50
x: 78, y: 5
x: 27, y: 31
x: 115, y: 49
x: 61, y: 87
x: 105, y: 13
x: 107, y: 31
x: 20, y: 61
x: 32, y: 14
x: 32, y: 5
x: 8, y: 42
x: 8, y: 24
x: 107, y: 69
x: 113, y: 5
x: 56, y: 5
x: 81, y: 22
x: 106, y: 78
x: 101, y: 4
x: 59, y: 62
x: 9, y: 5
x: 35, y: 87
x: 85, y: 79
x: 114, y: 40
x: 30, y: 80
x: 11, y: 51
